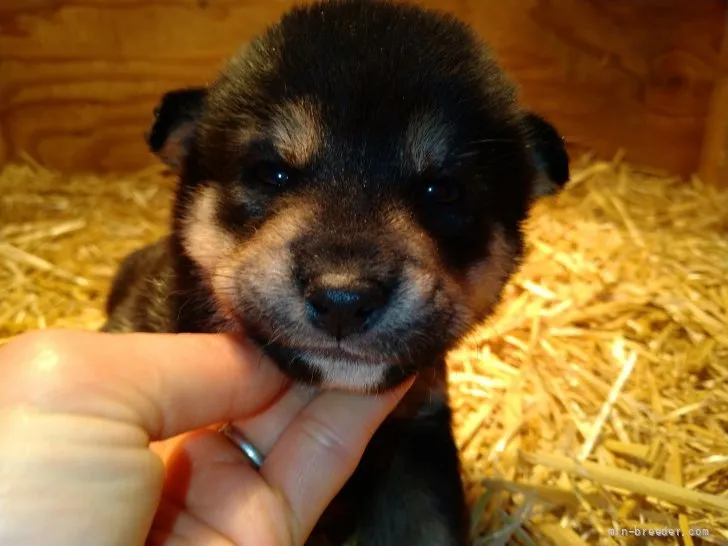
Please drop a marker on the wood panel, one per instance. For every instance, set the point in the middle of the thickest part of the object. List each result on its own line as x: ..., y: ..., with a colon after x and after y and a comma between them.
x: 714, y: 153
x: 81, y: 77
x: 617, y: 74
x: 78, y: 78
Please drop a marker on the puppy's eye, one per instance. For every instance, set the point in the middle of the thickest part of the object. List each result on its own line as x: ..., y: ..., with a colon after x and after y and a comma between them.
x: 445, y: 192
x: 271, y: 173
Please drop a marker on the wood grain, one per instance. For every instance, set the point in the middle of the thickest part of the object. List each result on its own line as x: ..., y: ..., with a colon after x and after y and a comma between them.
x: 79, y: 78
x: 616, y: 74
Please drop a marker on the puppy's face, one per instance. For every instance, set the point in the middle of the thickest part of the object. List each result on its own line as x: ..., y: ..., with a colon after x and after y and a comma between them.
x: 352, y: 188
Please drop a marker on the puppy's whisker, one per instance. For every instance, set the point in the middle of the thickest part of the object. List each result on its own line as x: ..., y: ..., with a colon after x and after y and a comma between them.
x: 493, y: 141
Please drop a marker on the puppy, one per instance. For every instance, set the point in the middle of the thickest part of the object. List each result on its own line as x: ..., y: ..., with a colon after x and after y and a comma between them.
x: 351, y: 193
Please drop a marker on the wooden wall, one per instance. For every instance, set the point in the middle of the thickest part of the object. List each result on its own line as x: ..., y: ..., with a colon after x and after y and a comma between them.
x: 79, y: 78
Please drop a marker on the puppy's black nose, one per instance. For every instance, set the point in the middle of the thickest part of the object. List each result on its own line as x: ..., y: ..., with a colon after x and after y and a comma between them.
x: 345, y: 310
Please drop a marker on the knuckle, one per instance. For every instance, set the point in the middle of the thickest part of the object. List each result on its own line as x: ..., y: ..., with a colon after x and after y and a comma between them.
x: 332, y: 443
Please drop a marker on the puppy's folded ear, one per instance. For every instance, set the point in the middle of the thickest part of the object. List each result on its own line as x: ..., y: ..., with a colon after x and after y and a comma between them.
x: 549, y: 150
x: 174, y: 123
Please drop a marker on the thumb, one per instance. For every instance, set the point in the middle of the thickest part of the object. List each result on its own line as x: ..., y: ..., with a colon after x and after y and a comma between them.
x: 165, y: 384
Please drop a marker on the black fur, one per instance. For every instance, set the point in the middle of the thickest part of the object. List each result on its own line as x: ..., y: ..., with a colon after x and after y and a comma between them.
x: 178, y: 107
x: 549, y: 149
x: 366, y: 70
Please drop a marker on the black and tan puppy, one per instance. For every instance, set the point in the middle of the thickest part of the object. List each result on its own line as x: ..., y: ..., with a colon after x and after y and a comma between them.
x: 351, y: 193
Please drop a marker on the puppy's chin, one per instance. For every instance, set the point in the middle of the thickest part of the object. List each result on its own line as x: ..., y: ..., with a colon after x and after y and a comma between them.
x: 337, y: 372
x: 355, y: 376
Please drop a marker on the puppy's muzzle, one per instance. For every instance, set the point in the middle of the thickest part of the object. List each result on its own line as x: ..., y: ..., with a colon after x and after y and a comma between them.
x: 342, y: 307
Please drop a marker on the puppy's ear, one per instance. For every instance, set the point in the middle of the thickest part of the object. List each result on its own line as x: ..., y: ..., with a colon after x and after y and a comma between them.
x: 174, y: 123
x: 549, y: 150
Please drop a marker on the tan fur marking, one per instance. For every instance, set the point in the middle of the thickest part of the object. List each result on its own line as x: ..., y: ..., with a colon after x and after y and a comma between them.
x: 337, y: 279
x: 297, y: 132
x: 426, y: 141
x: 418, y: 244
x: 419, y: 279
x: 174, y: 149
x: 485, y: 280
x: 263, y: 262
x: 204, y: 239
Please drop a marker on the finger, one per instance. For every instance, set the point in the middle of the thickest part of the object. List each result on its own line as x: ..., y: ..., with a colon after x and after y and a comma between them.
x: 263, y: 430
x: 176, y: 525
x: 221, y: 494
x: 318, y: 453
x: 164, y: 383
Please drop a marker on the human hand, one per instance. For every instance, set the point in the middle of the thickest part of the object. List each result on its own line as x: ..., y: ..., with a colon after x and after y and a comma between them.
x: 78, y: 411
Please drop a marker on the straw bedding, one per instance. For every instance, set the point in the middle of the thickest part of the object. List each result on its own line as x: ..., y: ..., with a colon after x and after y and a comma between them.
x: 595, y: 400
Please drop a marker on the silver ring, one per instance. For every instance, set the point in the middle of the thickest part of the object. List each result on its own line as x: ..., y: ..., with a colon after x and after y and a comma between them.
x: 238, y: 438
